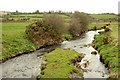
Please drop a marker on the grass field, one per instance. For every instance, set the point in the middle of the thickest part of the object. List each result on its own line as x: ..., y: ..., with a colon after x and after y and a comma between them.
x: 114, y: 27
x: 103, y: 16
x: 27, y: 15
x: 35, y: 16
x: 14, y: 39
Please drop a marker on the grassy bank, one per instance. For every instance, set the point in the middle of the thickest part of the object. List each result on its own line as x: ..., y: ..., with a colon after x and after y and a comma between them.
x: 14, y: 39
x: 109, y: 52
x: 59, y: 66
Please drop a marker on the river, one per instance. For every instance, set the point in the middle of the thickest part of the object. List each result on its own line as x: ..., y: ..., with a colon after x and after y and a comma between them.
x: 24, y: 66
x: 94, y: 68
x: 28, y: 65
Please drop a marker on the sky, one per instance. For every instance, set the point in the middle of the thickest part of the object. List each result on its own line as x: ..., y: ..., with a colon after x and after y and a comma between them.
x: 88, y: 6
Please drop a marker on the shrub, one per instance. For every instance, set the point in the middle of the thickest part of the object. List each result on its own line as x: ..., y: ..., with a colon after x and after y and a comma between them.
x: 55, y: 22
x: 78, y: 23
x: 107, y: 37
x: 47, y: 31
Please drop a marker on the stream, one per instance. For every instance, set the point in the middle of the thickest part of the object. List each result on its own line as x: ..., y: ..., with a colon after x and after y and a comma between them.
x: 94, y: 68
x: 24, y: 66
x: 28, y: 65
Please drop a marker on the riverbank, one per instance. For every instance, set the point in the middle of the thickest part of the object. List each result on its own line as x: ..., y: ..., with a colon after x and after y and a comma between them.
x: 59, y: 61
x: 108, y: 50
x: 15, y: 42
x: 58, y: 65
x: 82, y: 46
x: 20, y: 38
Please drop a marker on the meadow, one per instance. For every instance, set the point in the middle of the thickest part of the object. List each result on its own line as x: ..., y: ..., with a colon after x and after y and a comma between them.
x: 103, y: 16
x: 14, y: 39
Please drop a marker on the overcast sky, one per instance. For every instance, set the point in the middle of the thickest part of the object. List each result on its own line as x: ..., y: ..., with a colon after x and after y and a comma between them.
x: 89, y: 6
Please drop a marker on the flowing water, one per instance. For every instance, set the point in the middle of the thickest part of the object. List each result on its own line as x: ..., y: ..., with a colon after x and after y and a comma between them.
x: 25, y: 66
x: 94, y: 68
x: 28, y: 65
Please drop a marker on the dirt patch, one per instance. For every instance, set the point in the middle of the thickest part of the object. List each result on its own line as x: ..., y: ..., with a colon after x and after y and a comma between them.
x: 76, y: 61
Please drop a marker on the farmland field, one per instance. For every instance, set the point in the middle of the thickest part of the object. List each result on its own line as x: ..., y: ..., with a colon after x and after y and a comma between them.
x: 14, y: 39
x: 103, y: 16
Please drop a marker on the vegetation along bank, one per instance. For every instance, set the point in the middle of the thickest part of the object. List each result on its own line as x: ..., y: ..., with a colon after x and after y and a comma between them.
x: 107, y: 45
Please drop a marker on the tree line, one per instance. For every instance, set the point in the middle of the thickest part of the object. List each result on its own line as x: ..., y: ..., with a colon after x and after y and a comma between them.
x: 52, y: 27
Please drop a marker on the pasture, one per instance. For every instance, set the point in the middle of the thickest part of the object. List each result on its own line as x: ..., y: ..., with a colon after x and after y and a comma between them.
x: 14, y: 39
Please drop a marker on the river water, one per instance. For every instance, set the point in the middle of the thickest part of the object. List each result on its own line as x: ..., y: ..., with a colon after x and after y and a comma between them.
x: 25, y: 66
x: 28, y: 65
x: 94, y: 68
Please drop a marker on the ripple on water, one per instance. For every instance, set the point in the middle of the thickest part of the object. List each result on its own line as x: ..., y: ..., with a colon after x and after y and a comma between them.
x: 24, y: 66
x: 94, y: 68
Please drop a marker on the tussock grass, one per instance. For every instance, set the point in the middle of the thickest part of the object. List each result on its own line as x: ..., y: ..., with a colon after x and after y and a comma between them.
x: 59, y: 65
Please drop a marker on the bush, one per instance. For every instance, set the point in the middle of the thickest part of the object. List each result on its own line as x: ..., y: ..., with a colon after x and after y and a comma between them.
x: 47, y: 31
x: 107, y: 37
x: 55, y: 22
x: 78, y: 23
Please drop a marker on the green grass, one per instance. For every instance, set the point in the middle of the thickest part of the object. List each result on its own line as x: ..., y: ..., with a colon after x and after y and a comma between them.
x: 58, y: 62
x: 59, y: 65
x: 97, y: 24
x: 35, y: 15
x: 14, y: 39
x: 109, y: 52
x: 110, y: 55
x: 114, y: 27
x: 103, y: 16
x: 28, y: 15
